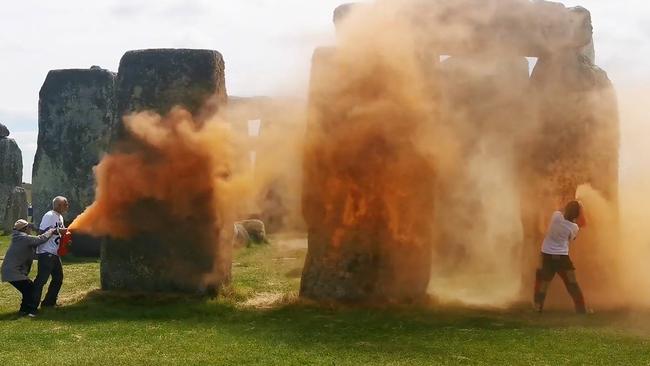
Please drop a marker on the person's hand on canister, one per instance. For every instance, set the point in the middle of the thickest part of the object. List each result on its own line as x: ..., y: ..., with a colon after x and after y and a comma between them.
x: 50, y: 232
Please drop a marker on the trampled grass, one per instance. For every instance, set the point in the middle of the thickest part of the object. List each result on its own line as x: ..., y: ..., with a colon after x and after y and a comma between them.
x: 261, y: 321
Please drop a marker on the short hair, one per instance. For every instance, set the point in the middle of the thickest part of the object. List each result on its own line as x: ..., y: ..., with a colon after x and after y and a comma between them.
x: 572, y: 210
x: 58, y: 199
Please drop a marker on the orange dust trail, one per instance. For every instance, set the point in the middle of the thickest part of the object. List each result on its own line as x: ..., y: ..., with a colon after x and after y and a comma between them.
x: 180, y: 163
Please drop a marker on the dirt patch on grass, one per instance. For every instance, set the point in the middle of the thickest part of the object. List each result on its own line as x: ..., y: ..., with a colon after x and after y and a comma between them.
x: 268, y: 300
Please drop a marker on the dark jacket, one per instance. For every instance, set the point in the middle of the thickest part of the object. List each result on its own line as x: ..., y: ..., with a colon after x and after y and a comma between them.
x: 20, y: 255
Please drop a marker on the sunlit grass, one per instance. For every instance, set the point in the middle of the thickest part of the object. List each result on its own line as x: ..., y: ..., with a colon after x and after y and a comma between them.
x: 261, y: 321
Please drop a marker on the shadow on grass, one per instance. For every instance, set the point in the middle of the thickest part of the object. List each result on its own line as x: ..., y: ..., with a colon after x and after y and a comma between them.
x: 376, y: 334
x: 98, y: 306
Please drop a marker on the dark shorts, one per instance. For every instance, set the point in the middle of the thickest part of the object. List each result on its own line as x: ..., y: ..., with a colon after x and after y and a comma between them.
x: 552, y: 264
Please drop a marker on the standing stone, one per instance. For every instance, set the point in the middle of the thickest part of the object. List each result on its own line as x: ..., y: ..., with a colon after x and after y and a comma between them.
x: 160, y: 79
x: 16, y: 208
x: 172, y: 253
x: 342, y: 11
x: 367, y: 198
x: 4, y: 131
x: 76, y: 109
x: 11, y: 163
x: 11, y: 172
x: 578, y: 143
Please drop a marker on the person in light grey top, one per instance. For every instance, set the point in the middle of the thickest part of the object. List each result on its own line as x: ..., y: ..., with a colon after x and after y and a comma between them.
x: 18, y: 262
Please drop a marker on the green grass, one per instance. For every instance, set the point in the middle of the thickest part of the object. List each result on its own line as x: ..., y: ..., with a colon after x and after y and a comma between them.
x: 4, y: 244
x: 260, y: 321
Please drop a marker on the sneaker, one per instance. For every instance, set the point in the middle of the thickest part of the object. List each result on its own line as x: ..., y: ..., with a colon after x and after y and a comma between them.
x: 31, y: 315
x: 22, y: 313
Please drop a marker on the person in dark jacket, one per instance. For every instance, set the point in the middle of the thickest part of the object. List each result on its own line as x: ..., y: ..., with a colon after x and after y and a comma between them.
x: 18, y: 262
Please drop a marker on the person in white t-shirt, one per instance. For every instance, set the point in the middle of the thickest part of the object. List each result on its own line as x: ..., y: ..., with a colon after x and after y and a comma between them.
x: 562, y: 230
x: 49, y: 263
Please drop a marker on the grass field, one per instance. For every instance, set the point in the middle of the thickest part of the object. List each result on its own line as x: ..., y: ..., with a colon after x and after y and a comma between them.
x: 261, y: 321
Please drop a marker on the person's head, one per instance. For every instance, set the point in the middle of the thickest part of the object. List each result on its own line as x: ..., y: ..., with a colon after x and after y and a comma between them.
x: 572, y: 211
x: 60, y: 205
x: 22, y: 225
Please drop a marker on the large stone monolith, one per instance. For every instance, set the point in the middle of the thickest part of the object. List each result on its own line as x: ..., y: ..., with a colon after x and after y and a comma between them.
x: 11, y: 174
x: 76, y: 109
x: 160, y: 79
x: 16, y: 208
x: 367, y: 196
x: 167, y: 253
x: 578, y: 143
x: 4, y: 131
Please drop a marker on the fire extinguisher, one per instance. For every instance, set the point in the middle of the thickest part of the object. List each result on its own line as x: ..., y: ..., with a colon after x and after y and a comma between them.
x: 64, y: 244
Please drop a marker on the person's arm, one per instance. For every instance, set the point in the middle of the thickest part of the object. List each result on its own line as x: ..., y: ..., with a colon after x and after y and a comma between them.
x: 34, y: 241
x: 47, y: 223
x: 574, y: 234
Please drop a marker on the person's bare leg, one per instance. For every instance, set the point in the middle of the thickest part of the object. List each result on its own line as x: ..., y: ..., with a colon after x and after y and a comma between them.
x: 542, y: 282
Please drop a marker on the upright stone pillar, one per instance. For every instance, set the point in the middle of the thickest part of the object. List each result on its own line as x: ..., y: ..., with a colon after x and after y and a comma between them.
x: 76, y: 110
x: 367, y: 199
x: 16, y: 208
x: 11, y: 174
x: 579, y: 144
x: 167, y: 253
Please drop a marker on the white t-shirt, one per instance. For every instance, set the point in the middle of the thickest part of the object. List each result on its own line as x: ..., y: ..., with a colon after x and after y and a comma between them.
x: 50, y: 220
x: 560, y: 233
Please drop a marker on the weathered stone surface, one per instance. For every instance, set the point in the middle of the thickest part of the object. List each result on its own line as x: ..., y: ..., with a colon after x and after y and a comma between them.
x: 249, y: 232
x: 342, y: 11
x: 11, y: 163
x: 76, y: 111
x: 366, y: 243
x: 505, y: 27
x: 160, y: 79
x: 16, y: 208
x: 578, y: 143
x: 169, y: 253
x: 578, y: 107
x: 11, y: 172
x: 4, y: 131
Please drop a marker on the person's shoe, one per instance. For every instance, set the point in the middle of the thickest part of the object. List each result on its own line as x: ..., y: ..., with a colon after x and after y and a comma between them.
x: 585, y: 311
x: 50, y: 306
x: 22, y: 313
x: 32, y: 315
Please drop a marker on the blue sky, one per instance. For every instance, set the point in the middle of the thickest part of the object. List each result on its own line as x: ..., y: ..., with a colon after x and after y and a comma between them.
x: 267, y: 44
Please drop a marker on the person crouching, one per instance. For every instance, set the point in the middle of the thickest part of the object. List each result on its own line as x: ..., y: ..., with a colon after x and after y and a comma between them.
x: 18, y: 262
